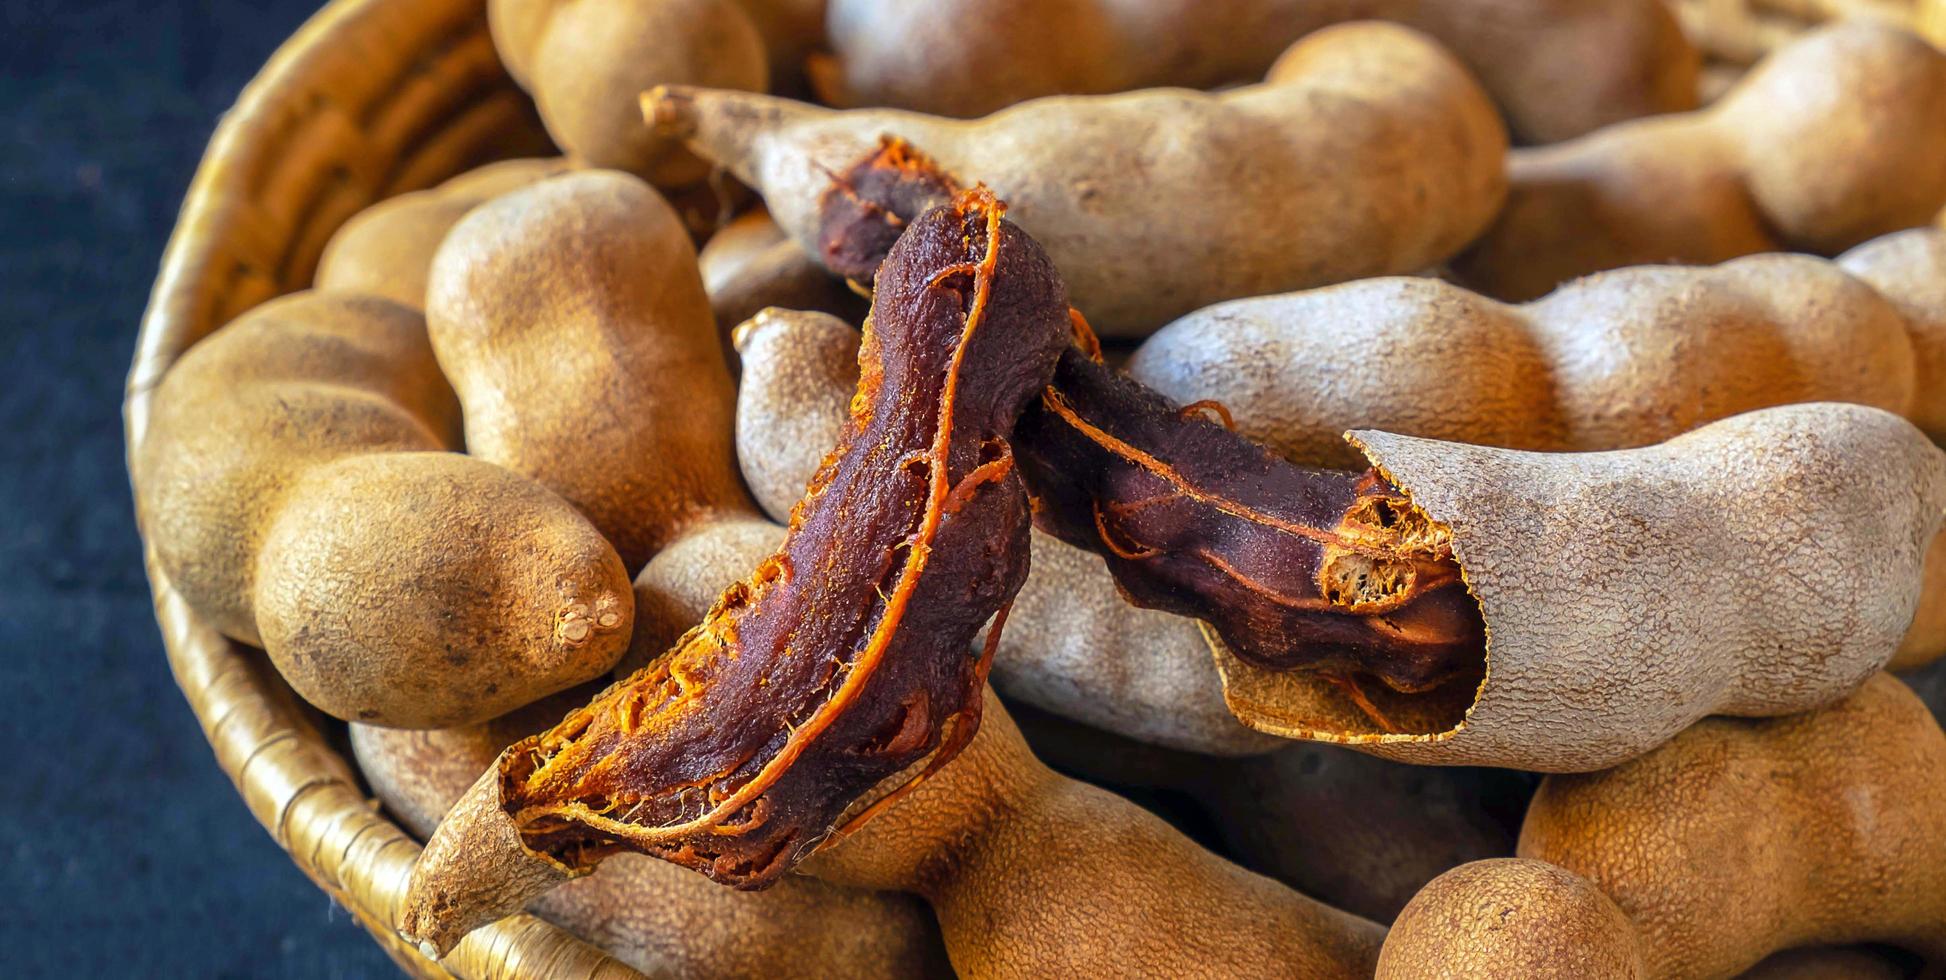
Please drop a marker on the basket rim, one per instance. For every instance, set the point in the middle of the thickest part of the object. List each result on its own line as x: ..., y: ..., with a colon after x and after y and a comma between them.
x: 279, y: 763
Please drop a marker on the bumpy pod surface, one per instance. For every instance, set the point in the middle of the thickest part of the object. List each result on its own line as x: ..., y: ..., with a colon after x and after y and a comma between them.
x: 1369, y: 151
x: 571, y: 319
x: 296, y: 491
x: 844, y: 658
x: 650, y: 914
x: 1556, y: 68
x: 1510, y: 917
x: 1743, y: 837
x: 1764, y: 564
x: 1831, y: 141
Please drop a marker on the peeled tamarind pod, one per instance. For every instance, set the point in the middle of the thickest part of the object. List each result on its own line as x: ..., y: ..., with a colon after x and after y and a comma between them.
x: 1854, y: 849
x: 844, y: 658
x: 1076, y: 648
x: 1619, y: 359
x: 1367, y: 151
x: 1831, y: 141
x: 1033, y: 874
x: 297, y: 491
x: 1557, y: 68
x: 586, y: 61
x: 654, y: 916
x: 387, y: 249
x: 571, y: 319
x: 1511, y: 917
x: 751, y: 264
x: 1760, y: 565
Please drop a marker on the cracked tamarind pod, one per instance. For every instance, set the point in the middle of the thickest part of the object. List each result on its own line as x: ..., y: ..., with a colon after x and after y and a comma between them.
x: 844, y: 658
x: 1829, y: 142
x: 1076, y: 648
x: 1368, y: 150
x: 652, y: 915
x: 1841, y: 501
x: 1618, y: 359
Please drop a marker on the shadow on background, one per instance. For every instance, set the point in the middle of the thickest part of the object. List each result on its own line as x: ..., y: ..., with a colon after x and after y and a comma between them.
x: 128, y: 852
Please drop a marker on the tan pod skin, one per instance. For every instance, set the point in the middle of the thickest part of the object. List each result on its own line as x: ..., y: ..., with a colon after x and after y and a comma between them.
x: 1829, y: 142
x: 386, y: 250
x: 1509, y: 917
x: 652, y: 915
x: 319, y: 406
x: 571, y: 319
x: 1556, y: 68
x: 1073, y: 646
x: 1368, y: 151
x: 1743, y: 837
x: 1034, y: 874
x: 750, y: 264
x: 1764, y: 564
x: 1617, y: 359
x: 585, y: 62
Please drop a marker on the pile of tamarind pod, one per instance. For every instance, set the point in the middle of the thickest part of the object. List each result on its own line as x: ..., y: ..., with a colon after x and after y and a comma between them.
x: 1476, y: 549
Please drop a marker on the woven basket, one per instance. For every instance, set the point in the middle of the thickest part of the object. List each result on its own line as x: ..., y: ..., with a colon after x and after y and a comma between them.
x: 369, y: 99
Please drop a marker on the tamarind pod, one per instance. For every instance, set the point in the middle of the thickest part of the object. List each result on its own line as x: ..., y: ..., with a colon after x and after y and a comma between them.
x: 1295, y: 568
x: 1556, y: 69
x: 1368, y: 151
x: 296, y: 490
x: 1760, y: 565
x: 842, y: 659
x: 1832, y: 140
x: 1853, y: 848
x: 387, y: 249
x: 751, y: 264
x: 1033, y: 874
x: 571, y: 319
x: 584, y: 61
x: 650, y: 914
x: 1618, y: 359
x: 1075, y: 647
x: 1511, y: 917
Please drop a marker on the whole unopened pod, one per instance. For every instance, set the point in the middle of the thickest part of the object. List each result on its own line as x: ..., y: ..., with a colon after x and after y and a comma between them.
x: 1743, y: 837
x: 1833, y: 140
x: 652, y: 915
x: 1760, y: 565
x: 1368, y: 150
x: 586, y: 61
x: 1622, y: 358
x: 570, y: 316
x: 299, y: 489
x: 1511, y: 917
x: 1034, y: 874
x: 1557, y: 68
x: 387, y: 249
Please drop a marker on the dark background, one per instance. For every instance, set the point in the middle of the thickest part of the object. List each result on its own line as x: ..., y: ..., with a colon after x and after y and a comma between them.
x: 127, y: 851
